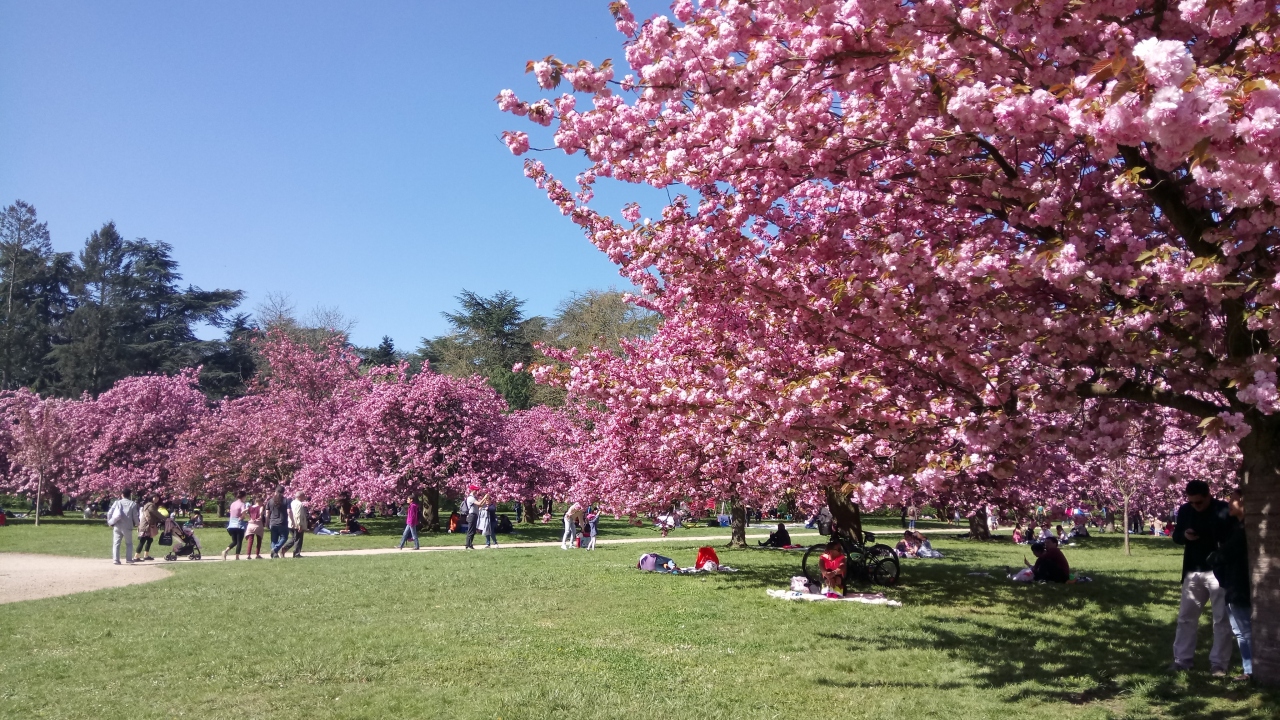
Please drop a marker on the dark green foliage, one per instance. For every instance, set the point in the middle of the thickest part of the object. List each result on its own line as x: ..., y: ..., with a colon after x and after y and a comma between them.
x: 33, y: 298
x: 232, y: 362
x: 490, y: 335
x: 384, y: 354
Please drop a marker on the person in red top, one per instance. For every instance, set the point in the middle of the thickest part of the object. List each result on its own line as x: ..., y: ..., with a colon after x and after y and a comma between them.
x: 832, y: 565
x: 1051, y: 565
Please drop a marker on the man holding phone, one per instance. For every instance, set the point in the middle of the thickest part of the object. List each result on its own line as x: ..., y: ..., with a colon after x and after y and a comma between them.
x: 1202, y: 523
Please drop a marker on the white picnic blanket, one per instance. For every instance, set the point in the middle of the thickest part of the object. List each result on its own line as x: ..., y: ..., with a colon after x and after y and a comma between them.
x: 864, y: 598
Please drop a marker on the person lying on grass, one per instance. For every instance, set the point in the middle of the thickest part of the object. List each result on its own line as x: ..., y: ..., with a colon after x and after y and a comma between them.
x: 831, y: 563
x: 778, y: 538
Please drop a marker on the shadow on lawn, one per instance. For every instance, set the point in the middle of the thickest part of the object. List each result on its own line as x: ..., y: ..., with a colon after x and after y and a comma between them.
x: 1074, y: 643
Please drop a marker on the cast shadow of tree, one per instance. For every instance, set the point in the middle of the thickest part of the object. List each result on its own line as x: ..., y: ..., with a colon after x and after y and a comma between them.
x: 1078, y: 643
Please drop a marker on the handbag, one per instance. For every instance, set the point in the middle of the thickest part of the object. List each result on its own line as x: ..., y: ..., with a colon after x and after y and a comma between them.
x: 166, y: 538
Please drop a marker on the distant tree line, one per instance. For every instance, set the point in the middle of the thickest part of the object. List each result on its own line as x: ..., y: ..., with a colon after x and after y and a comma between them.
x: 78, y: 322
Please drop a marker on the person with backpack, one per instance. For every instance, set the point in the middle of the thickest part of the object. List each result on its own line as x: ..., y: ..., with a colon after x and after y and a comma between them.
x: 123, y: 517
x: 470, y: 509
x: 278, y: 521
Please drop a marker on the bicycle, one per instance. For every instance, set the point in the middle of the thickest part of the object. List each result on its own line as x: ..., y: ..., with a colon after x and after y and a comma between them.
x: 866, y: 561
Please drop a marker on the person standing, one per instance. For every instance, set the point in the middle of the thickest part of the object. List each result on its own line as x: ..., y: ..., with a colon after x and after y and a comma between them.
x: 471, y: 511
x: 489, y: 521
x: 278, y: 521
x: 122, y: 517
x: 149, y: 521
x: 412, y: 517
x: 235, y: 525
x: 572, y: 517
x: 1232, y: 572
x: 297, y: 525
x: 913, y: 514
x: 253, y: 511
x: 1202, y: 524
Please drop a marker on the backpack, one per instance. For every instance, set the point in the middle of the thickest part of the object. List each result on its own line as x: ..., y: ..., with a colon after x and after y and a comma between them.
x: 113, y: 515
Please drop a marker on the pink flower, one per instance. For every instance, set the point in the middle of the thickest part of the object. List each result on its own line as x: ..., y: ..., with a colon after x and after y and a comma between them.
x: 1167, y: 62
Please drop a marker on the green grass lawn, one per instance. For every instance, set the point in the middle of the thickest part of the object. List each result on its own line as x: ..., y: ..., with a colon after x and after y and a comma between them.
x: 534, y: 633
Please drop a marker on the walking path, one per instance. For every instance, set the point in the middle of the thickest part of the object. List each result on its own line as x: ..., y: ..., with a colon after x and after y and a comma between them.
x: 28, y: 577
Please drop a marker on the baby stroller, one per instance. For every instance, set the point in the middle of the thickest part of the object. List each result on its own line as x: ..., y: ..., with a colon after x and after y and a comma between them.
x: 185, y: 543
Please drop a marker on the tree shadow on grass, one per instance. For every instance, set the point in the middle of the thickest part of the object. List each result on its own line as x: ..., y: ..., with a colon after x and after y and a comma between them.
x: 1078, y: 644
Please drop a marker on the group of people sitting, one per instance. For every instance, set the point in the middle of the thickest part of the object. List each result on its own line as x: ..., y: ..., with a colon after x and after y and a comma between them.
x: 1032, y: 534
x: 915, y: 545
x: 1050, y: 566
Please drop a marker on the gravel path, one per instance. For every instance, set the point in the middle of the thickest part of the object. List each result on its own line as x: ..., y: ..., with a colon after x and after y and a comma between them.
x: 28, y: 577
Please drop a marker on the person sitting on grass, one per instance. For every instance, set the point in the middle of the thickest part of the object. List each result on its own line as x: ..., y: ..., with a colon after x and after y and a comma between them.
x: 832, y: 565
x: 778, y: 538
x: 1018, y: 534
x: 906, y: 547
x: 923, y: 548
x: 1051, y: 565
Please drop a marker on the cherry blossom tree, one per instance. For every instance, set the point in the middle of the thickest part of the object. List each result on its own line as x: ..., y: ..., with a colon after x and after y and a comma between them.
x: 38, y: 447
x: 1035, y: 209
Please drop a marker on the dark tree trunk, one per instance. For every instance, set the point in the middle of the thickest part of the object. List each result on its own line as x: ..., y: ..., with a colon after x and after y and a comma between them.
x: 1261, y: 489
x: 737, y: 524
x: 846, y: 517
x: 55, y: 502
x: 530, y: 509
x: 431, y: 509
x: 222, y: 506
x: 978, y: 527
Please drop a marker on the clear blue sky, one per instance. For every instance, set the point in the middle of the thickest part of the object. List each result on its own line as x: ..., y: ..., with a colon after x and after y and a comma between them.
x: 343, y: 153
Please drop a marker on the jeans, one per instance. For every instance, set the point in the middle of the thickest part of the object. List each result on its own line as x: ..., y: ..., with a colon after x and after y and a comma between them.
x: 279, y: 534
x: 1242, y: 626
x: 409, y: 531
x: 471, y: 529
x: 119, y: 535
x: 491, y: 536
x: 237, y: 539
x: 1197, y: 589
x: 570, y: 533
x: 295, y: 543
x: 911, y: 524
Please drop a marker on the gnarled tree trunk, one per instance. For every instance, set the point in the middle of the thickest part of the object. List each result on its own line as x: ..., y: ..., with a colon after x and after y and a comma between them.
x: 530, y: 508
x: 431, y: 509
x: 737, y: 524
x: 55, y: 501
x: 1261, y: 489
x: 978, y: 527
x: 846, y: 516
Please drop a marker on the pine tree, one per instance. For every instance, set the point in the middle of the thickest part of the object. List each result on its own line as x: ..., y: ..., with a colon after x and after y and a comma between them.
x: 33, y: 282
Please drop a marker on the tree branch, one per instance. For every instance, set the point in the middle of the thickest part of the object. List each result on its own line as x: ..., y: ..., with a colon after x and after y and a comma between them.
x: 1144, y: 393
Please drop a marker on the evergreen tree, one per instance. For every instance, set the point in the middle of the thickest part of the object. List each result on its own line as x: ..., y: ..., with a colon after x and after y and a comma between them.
x: 33, y: 281
x: 384, y: 354
x: 232, y: 363
x: 130, y: 316
x: 490, y: 335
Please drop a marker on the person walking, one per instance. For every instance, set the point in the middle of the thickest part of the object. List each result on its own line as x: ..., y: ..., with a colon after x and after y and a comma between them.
x: 123, y: 517
x: 235, y: 525
x: 149, y: 521
x: 278, y: 521
x: 253, y: 511
x: 297, y: 525
x: 471, y: 511
x: 1202, y: 524
x: 1232, y: 572
x: 412, y: 518
x: 572, y: 517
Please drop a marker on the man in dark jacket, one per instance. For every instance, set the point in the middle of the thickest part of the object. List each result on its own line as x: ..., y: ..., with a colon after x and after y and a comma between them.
x: 1231, y: 568
x: 1051, y: 565
x: 1203, y: 523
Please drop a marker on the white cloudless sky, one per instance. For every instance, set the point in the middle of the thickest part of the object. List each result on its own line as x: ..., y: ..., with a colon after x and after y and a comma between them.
x: 344, y: 153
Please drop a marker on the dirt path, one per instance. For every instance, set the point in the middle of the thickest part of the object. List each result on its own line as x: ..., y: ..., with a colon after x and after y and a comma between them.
x: 28, y: 577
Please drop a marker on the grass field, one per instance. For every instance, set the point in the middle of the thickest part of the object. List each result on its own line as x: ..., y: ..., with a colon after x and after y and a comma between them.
x: 532, y: 633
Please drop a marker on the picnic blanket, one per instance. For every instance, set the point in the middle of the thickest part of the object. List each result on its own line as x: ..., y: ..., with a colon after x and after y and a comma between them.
x: 864, y: 598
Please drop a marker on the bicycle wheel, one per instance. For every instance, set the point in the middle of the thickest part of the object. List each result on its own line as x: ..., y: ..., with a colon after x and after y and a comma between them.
x: 811, y: 566
x: 880, y: 550
x: 885, y: 571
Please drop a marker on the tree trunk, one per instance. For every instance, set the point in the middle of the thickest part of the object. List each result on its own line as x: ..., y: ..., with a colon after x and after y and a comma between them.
x: 1126, y: 526
x: 222, y: 506
x: 55, y: 502
x: 846, y: 517
x: 431, y: 509
x: 978, y: 527
x: 39, y: 487
x: 738, y: 524
x: 530, y: 509
x: 1261, y: 488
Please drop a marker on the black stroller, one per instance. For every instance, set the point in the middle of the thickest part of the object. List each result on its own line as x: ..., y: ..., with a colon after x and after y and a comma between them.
x: 184, y: 540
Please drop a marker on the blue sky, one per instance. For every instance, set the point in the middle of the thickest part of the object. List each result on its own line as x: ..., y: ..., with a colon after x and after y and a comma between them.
x: 343, y: 153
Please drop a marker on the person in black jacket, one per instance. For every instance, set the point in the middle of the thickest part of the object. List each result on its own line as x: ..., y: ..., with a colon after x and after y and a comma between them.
x: 1202, y: 524
x: 778, y: 538
x: 1231, y: 567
